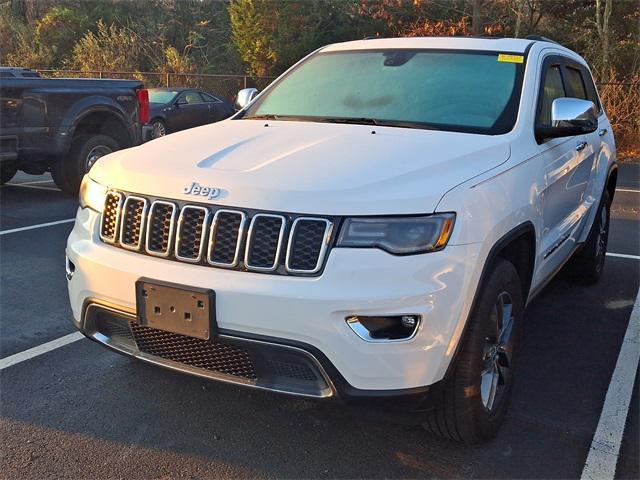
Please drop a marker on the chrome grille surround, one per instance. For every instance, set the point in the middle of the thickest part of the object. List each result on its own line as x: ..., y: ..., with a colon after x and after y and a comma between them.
x: 221, y: 237
x: 199, y: 233
x: 213, y: 240
x: 110, y: 219
x: 167, y: 231
x: 326, y: 238
x: 139, y: 221
x: 250, y: 239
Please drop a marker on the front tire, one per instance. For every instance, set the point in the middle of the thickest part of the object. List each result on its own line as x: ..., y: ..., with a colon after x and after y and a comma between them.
x: 85, y: 150
x: 473, y: 401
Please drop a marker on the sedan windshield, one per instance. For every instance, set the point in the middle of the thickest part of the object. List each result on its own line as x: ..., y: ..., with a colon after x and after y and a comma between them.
x: 466, y: 91
x: 161, y: 96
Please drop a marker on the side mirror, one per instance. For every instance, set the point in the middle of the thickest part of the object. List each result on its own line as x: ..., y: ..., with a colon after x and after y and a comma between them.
x: 180, y: 102
x: 569, y: 117
x: 245, y: 96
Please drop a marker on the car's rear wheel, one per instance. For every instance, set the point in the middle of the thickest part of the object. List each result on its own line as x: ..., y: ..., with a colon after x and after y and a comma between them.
x: 7, y: 171
x: 473, y: 400
x: 159, y: 129
x: 85, y: 151
x: 587, y: 265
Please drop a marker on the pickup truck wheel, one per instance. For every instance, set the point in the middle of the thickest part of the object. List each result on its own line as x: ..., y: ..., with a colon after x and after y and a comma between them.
x: 473, y: 401
x: 159, y: 128
x: 7, y: 171
x: 85, y: 151
x: 587, y: 264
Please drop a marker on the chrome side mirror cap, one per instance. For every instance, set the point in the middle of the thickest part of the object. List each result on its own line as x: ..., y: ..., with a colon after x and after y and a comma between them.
x: 570, y: 117
x: 574, y: 112
x: 245, y: 96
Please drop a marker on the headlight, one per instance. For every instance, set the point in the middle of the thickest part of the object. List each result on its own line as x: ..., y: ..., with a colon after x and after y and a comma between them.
x: 400, y: 236
x: 92, y: 194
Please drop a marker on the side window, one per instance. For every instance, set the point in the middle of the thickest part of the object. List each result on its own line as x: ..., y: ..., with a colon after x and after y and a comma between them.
x: 192, y: 97
x: 552, y: 88
x: 210, y: 98
x: 592, y: 93
x: 576, y: 85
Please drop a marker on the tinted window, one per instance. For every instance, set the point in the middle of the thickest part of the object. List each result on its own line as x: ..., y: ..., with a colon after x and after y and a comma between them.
x: 574, y: 79
x: 6, y: 75
x: 209, y: 98
x: 445, y: 90
x: 592, y: 93
x: 161, y: 96
x: 30, y: 74
x: 553, y: 88
x: 192, y: 97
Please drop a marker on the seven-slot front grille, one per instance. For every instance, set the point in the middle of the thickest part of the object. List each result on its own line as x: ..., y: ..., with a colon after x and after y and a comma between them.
x: 220, y: 237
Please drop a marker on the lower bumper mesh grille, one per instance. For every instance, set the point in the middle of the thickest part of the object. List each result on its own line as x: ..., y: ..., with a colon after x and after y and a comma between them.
x: 215, y: 356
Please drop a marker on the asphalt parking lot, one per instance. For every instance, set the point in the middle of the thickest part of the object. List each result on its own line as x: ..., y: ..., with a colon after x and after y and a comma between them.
x: 81, y: 411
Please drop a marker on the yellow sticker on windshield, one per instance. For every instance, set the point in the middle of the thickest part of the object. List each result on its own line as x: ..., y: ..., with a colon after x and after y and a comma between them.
x: 504, y: 57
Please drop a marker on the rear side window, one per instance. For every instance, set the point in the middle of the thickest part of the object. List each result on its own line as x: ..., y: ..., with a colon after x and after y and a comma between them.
x: 6, y: 75
x: 553, y: 88
x: 574, y: 79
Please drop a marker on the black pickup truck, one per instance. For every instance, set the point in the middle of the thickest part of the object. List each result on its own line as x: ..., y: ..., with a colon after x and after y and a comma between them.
x: 65, y: 125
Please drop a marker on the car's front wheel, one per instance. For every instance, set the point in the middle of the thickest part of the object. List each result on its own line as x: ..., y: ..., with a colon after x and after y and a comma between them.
x: 473, y: 400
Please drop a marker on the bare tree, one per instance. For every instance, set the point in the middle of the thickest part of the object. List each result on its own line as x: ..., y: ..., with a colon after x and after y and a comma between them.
x: 602, y: 24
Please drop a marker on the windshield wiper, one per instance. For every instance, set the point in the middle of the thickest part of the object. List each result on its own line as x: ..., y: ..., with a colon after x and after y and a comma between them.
x: 353, y: 120
x: 266, y: 116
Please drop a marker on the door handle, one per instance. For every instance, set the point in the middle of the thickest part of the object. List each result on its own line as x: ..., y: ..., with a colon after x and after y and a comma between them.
x: 603, y: 132
x: 580, y: 146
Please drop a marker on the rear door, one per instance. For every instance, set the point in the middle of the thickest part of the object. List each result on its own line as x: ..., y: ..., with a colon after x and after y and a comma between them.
x: 217, y: 110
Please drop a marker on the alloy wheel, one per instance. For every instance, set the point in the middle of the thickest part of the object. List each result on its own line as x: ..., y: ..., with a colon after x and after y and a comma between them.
x: 158, y: 130
x: 497, y: 353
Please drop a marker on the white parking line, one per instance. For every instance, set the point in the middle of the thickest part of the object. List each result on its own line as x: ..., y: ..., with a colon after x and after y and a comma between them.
x: 39, y: 350
x: 605, y: 447
x: 32, y: 227
x: 32, y: 183
x: 623, y: 255
x: 37, y: 187
x: 630, y: 190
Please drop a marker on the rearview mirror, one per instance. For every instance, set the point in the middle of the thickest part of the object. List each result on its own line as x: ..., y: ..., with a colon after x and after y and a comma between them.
x: 569, y: 117
x: 245, y: 96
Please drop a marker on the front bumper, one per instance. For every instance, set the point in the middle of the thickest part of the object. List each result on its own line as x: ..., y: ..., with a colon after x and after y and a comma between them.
x: 306, y: 313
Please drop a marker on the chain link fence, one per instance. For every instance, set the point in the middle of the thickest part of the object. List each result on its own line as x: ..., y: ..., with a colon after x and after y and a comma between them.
x: 222, y: 85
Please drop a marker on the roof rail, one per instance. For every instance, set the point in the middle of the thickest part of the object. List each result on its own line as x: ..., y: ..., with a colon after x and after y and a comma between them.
x: 540, y: 38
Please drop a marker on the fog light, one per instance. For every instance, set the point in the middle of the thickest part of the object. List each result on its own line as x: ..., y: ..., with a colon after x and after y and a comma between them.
x: 392, y: 328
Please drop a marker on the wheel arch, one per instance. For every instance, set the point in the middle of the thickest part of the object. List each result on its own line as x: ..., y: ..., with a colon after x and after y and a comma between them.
x: 517, y: 246
x: 104, y: 121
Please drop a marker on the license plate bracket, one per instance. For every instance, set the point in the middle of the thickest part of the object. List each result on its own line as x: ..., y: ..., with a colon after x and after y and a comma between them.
x: 176, y: 308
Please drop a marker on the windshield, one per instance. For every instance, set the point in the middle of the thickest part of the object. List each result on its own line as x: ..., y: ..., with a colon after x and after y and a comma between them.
x: 446, y: 90
x: 161, y: 96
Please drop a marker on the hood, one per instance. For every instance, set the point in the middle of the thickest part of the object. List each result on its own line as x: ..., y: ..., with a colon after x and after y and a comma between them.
x: 305, y: 167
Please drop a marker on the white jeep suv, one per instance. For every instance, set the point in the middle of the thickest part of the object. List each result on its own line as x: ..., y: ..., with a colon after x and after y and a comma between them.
x: 370, y: 226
